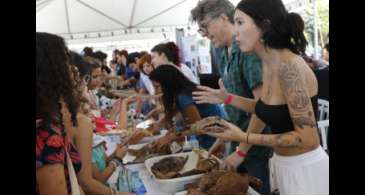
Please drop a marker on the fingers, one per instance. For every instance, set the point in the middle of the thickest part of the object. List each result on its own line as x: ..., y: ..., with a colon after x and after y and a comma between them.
x: 214, y: 129
x: 217, y: 135
x: 205, y: 88
x: 221, y: 84
x: 228, y: 167
x: 201, y: 100
x: 201, y: 93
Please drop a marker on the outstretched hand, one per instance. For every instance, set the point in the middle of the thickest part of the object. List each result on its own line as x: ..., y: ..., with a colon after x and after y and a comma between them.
x: 209, y: 95
x: 229, y: 132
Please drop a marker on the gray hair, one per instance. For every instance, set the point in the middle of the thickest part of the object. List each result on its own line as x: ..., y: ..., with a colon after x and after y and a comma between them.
x: 212, y: 9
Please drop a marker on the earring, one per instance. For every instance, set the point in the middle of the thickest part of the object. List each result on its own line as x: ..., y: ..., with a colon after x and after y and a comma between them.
x: 292, y: 40
x: 262, y: 41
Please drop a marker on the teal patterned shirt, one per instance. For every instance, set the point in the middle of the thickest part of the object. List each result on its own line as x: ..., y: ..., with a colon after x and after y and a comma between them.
x: 241, y: 74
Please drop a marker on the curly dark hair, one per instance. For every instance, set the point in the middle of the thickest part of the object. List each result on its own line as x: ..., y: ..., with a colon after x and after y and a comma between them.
x: 56, y: 80
x: 78, y: 61
x: 173, y: 83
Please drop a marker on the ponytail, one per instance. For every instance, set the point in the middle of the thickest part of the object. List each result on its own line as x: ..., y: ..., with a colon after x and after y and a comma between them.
x: 296, y: 28
x: 174, y: 54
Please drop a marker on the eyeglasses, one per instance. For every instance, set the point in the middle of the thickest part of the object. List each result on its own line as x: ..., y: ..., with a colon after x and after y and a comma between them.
x: 203, y: 27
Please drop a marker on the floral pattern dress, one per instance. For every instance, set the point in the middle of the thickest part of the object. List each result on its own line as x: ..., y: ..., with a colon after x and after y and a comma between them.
x: 51, y: 147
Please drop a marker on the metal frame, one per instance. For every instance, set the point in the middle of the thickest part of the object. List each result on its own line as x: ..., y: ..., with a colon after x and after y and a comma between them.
x: 67, y: 18
x: 159, y: 13
x: 132, y: 14
x: 101, y: 13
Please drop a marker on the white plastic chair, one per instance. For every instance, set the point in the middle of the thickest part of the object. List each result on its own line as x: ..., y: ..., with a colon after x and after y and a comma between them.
x: 323, y: 109
x: 323, y: 130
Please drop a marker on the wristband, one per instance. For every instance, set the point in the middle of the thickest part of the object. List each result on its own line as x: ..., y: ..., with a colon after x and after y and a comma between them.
x: 240, y: 153
x: 228, y: 99
x: 115, y: 162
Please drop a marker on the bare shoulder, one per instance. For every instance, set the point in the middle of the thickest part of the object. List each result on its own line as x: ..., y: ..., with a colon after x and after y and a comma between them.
x: 289, y: 73
x: 294, y: 73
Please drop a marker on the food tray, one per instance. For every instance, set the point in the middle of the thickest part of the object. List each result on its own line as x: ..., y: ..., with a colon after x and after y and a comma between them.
x: 175, y: 184
x: 128, y: 158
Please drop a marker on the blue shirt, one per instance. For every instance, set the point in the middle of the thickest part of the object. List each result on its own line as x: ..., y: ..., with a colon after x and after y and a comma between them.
x: 120, y: 69
x: 129, y: 72
x: 205, y: 110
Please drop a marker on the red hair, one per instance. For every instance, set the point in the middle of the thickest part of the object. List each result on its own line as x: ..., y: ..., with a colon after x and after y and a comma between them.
x: 145, y: 59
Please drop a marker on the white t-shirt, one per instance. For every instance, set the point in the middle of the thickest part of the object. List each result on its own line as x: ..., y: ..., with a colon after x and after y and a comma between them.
x: 147, y: 83
x: 188, y: 73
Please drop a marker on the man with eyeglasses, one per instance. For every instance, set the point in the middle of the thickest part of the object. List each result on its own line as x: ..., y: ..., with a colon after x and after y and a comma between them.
x: 241, y: 74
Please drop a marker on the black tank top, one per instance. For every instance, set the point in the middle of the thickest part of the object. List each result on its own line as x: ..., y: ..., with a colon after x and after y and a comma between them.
x: 278, y: 117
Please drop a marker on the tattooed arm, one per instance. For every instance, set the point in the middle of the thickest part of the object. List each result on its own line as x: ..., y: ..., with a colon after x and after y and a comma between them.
x: 301, y: 112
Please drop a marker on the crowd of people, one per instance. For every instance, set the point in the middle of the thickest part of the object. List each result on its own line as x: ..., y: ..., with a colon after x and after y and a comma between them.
x: 267, y: 94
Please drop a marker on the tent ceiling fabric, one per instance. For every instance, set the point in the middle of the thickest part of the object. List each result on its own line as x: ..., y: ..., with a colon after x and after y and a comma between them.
x: 71, y: 18
x: 67, y: 17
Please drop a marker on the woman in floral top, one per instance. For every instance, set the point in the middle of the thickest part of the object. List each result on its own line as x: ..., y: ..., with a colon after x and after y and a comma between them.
x: 55, y: 83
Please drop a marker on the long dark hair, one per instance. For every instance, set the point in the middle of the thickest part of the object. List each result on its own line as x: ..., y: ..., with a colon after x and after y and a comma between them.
x: 78, y: 61
x: 173, y: 83
x: 280, y: 28
x: 54, y: 80
x: 171, y: 51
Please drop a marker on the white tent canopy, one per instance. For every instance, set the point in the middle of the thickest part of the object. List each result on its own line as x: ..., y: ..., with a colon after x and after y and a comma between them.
x: 103, y: 18
x: 80, y: 19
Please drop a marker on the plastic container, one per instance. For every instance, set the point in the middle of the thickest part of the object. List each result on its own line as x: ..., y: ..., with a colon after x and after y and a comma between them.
x: 128, y: 158
x: 250, y: 191
x: 194, y: 142
x: 187, y: 146
x: 175, y: 184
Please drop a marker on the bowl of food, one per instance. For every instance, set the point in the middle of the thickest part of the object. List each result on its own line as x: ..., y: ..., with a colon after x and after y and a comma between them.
x: 172, y: 172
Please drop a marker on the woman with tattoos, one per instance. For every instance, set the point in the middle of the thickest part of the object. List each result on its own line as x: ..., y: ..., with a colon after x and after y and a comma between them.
x: 288, y: 101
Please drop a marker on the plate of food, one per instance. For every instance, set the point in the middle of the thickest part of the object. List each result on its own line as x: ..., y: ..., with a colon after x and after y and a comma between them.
x: 138, y: 153
x: 225, y: 182
x: 173, y: 172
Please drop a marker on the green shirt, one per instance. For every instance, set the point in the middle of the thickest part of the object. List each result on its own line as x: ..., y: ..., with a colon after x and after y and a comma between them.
x: 98, y: 157
x: 241, y: 74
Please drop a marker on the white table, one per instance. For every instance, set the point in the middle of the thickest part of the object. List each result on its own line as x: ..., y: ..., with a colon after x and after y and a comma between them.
x: 151, y: 186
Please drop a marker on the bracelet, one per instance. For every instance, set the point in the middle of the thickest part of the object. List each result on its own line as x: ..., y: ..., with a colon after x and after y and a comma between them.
x: 116, y: 161
x: 228, y: 99
x: 247, y: 137
x: 113, y: 163
x: 240, y: 153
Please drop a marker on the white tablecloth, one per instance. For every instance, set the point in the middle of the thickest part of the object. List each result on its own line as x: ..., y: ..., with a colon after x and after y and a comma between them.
x: 151, y: 186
